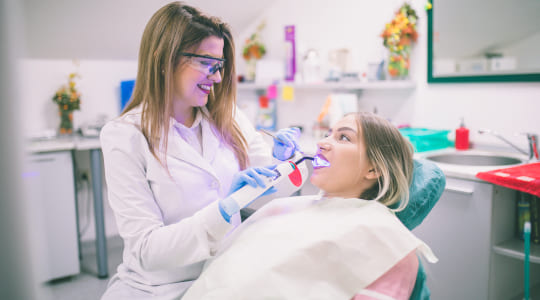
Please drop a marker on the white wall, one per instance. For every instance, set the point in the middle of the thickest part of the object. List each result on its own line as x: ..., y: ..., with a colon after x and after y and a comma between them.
x: 509, y: 108
x: 108, y: 29
x: 99, y: 85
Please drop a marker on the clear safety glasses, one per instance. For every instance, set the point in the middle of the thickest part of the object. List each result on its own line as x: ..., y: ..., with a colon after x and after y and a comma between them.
x: 207, y: 64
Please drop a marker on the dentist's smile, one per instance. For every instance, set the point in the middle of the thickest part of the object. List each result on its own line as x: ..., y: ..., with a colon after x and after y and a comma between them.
x: 205, y: 88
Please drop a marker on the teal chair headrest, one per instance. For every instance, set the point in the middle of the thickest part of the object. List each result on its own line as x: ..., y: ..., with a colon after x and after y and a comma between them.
x: 426, y: 188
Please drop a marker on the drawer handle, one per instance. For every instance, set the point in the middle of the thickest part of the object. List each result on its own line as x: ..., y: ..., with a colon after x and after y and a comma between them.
x: 459, y: 190
x: 38, y: 160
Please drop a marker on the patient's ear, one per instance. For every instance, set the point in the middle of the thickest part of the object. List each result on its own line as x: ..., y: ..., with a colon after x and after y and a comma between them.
x: 373, y: 173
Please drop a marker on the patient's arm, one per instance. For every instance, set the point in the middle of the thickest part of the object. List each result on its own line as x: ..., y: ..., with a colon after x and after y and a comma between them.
x: 397, y: 283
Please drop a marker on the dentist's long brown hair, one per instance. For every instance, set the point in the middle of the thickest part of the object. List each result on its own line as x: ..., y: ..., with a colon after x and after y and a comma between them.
x: 171, y: 30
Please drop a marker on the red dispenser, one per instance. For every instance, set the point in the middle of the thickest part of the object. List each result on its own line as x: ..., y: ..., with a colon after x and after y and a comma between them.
x: 462, y: 137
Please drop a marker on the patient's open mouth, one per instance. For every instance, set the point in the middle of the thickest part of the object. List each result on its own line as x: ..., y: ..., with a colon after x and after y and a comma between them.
x: 320, y: 161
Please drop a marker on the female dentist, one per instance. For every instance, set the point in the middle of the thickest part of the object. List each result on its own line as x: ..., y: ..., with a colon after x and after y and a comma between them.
x: 176, y: 151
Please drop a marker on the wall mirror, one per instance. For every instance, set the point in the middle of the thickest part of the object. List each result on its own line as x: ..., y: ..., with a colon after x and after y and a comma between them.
x: 483, y: 41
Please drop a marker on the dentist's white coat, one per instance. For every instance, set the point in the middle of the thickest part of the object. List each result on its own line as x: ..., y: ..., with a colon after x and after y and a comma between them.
x: 170, y: 224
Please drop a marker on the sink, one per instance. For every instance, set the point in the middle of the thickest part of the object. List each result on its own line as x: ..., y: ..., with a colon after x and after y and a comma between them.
x: 477, y: 159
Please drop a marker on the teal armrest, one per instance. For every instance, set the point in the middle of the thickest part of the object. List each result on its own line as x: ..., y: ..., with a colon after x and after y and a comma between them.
x: 420, y: 290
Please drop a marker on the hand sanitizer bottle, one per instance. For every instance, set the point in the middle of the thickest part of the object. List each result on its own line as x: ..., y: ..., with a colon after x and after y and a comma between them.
x: 462, y: 137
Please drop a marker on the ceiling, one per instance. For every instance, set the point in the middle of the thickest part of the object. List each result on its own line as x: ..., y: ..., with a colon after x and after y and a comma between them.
x: 110, y: 29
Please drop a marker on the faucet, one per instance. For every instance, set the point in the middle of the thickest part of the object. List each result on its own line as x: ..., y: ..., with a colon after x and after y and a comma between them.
x: 531, y: 137
x: 533, y: 145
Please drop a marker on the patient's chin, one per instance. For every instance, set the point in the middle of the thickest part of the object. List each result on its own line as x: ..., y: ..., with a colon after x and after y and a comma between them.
x: 317, y: 180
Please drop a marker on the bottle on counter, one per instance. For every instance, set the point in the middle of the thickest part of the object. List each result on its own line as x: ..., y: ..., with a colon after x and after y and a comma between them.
x: 266, y: 114
x: 462, y: 137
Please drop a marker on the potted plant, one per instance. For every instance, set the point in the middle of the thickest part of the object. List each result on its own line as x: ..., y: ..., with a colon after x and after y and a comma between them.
x: 253, y: 50
x: 398, y: 37
x: 68, y: 100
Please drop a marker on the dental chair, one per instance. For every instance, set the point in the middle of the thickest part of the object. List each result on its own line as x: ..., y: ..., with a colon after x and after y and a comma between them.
x: 426, y: 188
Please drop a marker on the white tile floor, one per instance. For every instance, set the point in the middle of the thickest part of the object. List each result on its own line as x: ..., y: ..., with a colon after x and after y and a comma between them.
x: 86, y: 285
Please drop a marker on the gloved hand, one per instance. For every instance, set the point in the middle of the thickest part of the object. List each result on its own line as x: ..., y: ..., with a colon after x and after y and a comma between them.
x: 289, y: 136
x: 250, y: 176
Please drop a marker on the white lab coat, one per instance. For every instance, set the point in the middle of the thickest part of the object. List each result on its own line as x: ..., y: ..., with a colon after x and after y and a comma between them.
x: 170, y: 224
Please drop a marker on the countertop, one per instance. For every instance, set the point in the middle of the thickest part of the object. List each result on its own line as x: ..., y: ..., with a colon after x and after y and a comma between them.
x: 63, y: 143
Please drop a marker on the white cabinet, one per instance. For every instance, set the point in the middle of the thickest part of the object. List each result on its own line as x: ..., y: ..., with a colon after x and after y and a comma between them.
x: 50, y: 185
x: 458, y: 231
x: 472, y: 230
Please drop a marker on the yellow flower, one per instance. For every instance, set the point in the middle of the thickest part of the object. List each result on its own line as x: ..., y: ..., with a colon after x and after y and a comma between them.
x: 254, y: 48
x: 67, y: 97
x: 400, y: 33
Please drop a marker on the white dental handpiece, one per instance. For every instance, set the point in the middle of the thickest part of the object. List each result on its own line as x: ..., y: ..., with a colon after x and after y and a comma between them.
x: 247, y: 194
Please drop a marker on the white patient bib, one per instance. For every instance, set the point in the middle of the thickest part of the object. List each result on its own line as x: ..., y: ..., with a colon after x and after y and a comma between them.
x: 330, y: 249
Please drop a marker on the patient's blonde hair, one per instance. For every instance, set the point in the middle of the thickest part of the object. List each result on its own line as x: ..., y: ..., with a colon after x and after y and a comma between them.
x: 392, y: 157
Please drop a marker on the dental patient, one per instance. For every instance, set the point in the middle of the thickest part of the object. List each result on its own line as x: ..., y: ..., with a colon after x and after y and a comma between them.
x: 345, y: 243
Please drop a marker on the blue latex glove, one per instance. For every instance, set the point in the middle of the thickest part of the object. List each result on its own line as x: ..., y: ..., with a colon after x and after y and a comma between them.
x: 284, y: 151
x: 250, y: 176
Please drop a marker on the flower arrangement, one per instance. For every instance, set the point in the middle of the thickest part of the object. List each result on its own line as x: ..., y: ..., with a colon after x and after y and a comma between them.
x: 398, y: 37
x: 253, y: 50
x: 68, y: 100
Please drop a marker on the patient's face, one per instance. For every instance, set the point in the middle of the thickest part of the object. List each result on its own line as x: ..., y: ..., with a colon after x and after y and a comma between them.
x: 349, y: 171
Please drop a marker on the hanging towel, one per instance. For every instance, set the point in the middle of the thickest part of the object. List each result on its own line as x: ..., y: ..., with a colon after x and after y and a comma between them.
x: 525, y: 178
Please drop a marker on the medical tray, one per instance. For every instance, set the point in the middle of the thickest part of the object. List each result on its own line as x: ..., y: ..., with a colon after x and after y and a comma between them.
x: 424, y: 139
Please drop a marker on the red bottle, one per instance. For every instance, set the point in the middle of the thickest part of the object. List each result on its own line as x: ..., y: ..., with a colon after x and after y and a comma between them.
x: 462, y: 137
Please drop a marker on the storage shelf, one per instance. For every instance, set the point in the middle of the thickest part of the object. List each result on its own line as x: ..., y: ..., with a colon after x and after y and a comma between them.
x: 514, y: 248
x: 375, y: 85
x: 534, y: 290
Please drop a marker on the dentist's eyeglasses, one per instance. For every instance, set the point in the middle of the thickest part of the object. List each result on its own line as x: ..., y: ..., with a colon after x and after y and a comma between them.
x: 207, y: 64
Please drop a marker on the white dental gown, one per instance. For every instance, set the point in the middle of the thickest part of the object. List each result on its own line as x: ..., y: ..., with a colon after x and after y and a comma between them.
x: 170, y: 223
